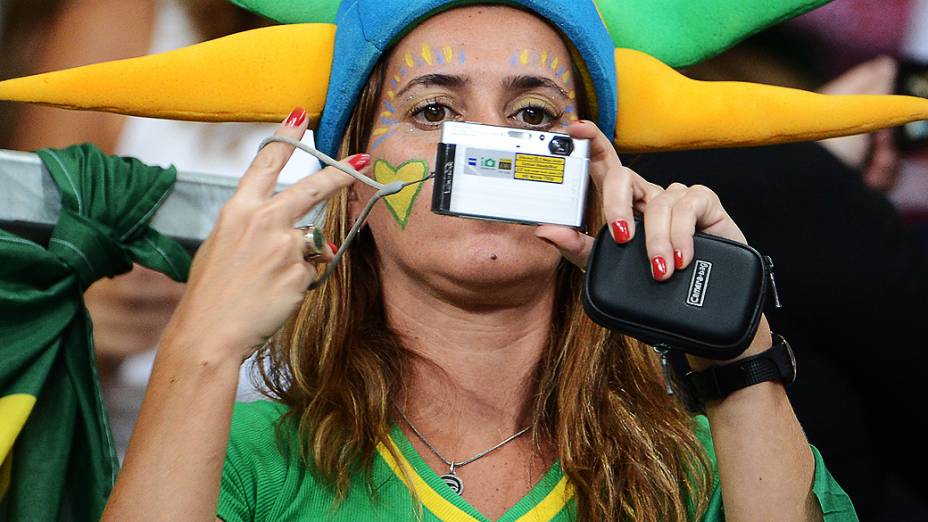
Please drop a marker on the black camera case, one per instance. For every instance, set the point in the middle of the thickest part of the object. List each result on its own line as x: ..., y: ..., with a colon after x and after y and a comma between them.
x: 709, y: 309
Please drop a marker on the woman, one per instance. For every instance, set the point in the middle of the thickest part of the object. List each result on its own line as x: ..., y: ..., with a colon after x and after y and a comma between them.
x: 468, y: 330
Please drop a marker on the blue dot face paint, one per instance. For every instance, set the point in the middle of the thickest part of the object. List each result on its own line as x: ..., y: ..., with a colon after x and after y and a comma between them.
x: 389, y: 122
x: 424, y: 57
x: 535, y: 59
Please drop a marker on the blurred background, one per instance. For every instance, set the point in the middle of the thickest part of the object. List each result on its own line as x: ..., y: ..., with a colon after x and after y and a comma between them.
x: 129, y: 312
x: 846, y: 220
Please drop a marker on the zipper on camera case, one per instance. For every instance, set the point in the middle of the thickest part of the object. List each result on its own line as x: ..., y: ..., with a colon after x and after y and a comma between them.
x: 444, y: 176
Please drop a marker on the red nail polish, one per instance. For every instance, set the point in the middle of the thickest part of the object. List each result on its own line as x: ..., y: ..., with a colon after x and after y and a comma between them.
x: 678, y: 259
x: 620, y: 231
x: 296, y: 118
x: 658, y: 267
x: 359, y: 161
x: 333, y: 246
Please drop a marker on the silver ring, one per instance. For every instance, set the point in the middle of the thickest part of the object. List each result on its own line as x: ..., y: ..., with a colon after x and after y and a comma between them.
x: 313, y: 242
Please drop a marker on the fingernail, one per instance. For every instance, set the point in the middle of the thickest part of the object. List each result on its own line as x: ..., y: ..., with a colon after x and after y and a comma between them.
x: 620, y: 231
x: 296, y: 118
x: 678, y: 259
x: 359, y: 161
x: 333, y: 246
x: 658, y: 267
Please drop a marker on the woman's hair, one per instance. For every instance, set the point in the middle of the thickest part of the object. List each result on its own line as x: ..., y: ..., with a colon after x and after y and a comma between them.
x: 628, y: 449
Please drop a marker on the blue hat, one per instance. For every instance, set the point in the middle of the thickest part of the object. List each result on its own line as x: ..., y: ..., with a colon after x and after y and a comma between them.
x: 366, y: 30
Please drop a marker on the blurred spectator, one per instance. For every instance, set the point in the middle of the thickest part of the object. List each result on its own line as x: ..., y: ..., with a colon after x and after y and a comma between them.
x: 130, y: 311
x: 848, y: 32
x: 855, y: 299
x: 874, y: 155
x: 853, y: 302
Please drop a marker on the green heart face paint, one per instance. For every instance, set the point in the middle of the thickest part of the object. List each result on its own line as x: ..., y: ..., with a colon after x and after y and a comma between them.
x: 400, y: 204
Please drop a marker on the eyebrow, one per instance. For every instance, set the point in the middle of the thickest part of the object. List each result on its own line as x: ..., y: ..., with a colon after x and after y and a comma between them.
x: 525, y: 82
x: 521, y: 82
x: 442, y: 80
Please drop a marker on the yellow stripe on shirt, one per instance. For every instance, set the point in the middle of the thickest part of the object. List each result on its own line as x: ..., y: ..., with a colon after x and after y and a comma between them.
x: 431, y: 499
x: 553, y: 503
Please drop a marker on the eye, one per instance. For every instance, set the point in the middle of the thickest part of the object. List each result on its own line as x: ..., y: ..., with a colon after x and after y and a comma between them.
x: 534, y: 116
x: 432, y: 113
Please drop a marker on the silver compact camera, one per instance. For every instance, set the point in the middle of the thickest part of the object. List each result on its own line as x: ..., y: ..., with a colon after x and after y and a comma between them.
x: 510, y: 174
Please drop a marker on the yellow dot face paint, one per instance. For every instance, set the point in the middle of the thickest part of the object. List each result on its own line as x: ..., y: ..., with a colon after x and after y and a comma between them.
x: 427, y: 54
x: 413, y: 61
x: 424, y: 56
x: 546, y: 60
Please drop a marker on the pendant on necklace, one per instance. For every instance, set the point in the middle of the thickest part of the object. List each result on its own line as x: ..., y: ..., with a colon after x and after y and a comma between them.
x: 453, y: 481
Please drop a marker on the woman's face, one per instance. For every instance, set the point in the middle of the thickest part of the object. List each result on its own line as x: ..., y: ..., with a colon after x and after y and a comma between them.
x: 495, y: 65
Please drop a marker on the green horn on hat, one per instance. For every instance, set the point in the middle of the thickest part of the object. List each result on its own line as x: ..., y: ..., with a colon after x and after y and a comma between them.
x: 685, y: 32
x: 677, y: 32
x: 293, y: 11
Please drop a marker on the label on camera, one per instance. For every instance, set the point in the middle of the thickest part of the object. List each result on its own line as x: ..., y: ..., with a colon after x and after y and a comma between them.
x: 549, y: 169
x: 508, y: 165
x: 699, y: 283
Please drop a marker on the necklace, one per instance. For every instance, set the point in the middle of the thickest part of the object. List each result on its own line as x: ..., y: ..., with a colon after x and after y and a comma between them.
x: 451, y: 478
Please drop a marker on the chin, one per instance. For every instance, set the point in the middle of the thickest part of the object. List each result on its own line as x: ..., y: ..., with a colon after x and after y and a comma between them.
x: 495, y: 259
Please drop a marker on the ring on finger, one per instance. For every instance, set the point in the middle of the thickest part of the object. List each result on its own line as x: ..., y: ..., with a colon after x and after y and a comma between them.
x: 313, y: 242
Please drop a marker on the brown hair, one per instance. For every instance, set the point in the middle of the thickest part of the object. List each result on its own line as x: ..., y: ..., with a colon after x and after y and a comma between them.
x: 627, y: 448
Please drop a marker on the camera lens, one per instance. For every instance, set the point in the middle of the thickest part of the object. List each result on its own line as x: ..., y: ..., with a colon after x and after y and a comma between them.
x: 561, y: 145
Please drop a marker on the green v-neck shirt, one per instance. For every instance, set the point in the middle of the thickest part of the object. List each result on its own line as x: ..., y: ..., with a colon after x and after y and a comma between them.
x: 264, y: 481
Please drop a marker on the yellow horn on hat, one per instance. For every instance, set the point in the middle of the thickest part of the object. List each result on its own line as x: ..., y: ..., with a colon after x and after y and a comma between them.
x: 257, y: 75
x: 660, y: 109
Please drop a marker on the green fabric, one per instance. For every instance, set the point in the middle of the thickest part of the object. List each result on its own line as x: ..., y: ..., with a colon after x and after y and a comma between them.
x: 677, y: 32
x: 63, y: 460
x: 262, y: 480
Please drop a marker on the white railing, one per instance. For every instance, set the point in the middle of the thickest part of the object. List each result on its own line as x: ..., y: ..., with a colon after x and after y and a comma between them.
x: 30, y: 202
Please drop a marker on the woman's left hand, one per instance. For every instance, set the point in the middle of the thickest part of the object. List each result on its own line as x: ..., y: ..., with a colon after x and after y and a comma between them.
x: 670, y: 216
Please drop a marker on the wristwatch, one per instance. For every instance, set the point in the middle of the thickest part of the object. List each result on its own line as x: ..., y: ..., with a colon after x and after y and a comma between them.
x: 717, y: 382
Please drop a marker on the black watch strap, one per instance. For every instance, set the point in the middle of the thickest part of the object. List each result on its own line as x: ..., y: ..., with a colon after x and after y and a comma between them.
x: 717, y: 382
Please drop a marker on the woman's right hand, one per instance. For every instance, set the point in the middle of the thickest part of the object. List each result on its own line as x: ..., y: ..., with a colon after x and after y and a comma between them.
x: 250, y: 275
